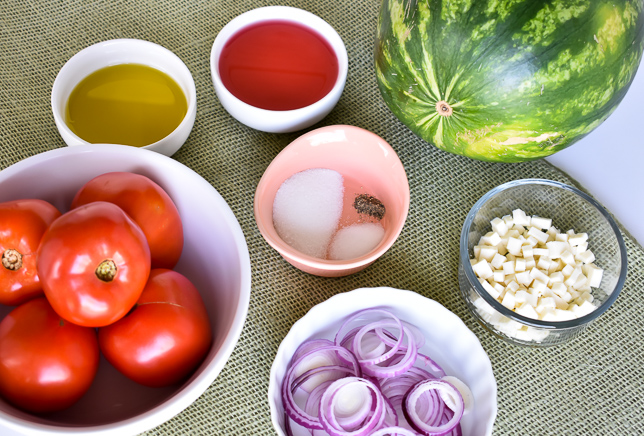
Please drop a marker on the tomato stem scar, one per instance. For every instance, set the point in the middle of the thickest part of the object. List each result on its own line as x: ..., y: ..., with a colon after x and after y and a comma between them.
x: 11, y: 259
x: 106, y: 270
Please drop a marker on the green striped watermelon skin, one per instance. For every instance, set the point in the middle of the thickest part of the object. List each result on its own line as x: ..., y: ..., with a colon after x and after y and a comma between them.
x: 506, y: 80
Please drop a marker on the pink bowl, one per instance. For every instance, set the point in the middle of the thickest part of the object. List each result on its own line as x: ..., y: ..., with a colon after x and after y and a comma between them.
x: 366, y: 161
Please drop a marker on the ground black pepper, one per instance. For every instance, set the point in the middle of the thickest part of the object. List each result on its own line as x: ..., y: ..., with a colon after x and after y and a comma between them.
x: 369, y: 205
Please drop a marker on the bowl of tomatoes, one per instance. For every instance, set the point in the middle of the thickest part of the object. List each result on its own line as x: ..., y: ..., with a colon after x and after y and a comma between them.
x: 124, y: 287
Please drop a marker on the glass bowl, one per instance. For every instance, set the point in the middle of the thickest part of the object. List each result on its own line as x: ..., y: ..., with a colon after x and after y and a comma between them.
x: 569, y: 209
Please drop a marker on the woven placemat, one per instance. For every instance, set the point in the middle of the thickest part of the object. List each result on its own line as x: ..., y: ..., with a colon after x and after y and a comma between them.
x: 591, y: 386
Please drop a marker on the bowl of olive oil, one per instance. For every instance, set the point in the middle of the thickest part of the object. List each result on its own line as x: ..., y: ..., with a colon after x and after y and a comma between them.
x: 125, y: 91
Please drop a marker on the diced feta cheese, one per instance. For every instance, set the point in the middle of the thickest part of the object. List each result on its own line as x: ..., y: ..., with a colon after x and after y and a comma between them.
x: 492, y: 238
x: 568, y: 258
x: 498, y: 276
x: 488, y: 252
x: 541, y: 252
x: 499, y: 226
x: 508, y: 267
x: 593, y: 274
x: 528, y: 311
x: 556, y: 248
x: 567, y: 270
x: 580, y: 248
x: 514, y: 246
x: 526, y: 250
x: 537, y: 274
x: 524, y: 278
x: 519, y: 264
x: 544, y: 263
x: 520, y: 218
x: 542, y: 223
x: 508, y: 300
x: 585, y: 257
x: 513, y: 286
x: 482, y: 269
x: 489, y: 288
x: 540, y: 236
x: 497, y: 261
x: 577, y: 239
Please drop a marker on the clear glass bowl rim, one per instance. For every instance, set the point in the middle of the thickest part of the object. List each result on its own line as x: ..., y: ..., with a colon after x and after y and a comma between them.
x: 551, y: 325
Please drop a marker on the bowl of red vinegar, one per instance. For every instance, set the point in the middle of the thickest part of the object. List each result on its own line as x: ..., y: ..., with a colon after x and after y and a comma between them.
x: 278, y: 69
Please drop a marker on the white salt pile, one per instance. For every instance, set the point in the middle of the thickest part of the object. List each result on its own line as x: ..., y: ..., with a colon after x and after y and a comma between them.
x: 307, y: 210
x: 356, y: 240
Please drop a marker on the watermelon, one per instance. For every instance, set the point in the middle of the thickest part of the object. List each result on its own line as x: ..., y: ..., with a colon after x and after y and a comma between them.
x: 506, y: 80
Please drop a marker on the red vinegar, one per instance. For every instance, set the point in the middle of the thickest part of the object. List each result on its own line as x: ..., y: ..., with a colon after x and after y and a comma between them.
x: 278, y: 65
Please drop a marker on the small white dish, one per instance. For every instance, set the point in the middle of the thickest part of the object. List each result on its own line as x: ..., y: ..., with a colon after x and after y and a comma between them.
x: 124, y: 51
x: 276, y: 121
x: 448, y: 342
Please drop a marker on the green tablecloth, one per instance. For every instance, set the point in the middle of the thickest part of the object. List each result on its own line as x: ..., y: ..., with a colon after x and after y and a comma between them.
x: 593, y: 386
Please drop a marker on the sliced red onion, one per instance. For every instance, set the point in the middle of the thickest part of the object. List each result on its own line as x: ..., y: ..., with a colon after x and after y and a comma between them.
x: 289, y: 385
x: 416, y: 395
x: 358, y: 384
x: 371, y: 406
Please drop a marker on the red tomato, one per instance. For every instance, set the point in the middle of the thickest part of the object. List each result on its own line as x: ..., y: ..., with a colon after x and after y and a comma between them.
x: 93, y: 263
x: 165, y: 337
x: 147, y: 204
x: 46, y: 363
x: 22, y: 225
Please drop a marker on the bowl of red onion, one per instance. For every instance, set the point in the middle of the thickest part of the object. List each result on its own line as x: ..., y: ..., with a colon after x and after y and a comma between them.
x: 381, y: 361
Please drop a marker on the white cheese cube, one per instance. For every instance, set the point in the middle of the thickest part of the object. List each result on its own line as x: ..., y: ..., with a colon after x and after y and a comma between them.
x: 580, y: 248
x: 477, y: 251
x: 585, y: 257
x: 499, y: 226
x: 541, y: 252
x: 508, y: 267
x: 508, y: 220
x: 520, y: 218
x: 497, y: 261
x: 530, y: 263
x: 513, y: 233
x: 581, y: 282
x: 568, y: 258
x: 563, y: 237
x: 487, y: 252
x: 540, y: 236
x: 482, y: 269
x: 572, y: 278
x: 563, y: 315
x: 519, y: 264
x: 532, y: 299
x: 577, y: 239
x: 541, y: 223
x: 521, y: 297
x: 537, y: 274
x: 489, y: 288
x: 514, y: 246
x: 508, y: 300
x: 593, y: 274
x: 538, y: 287
x: 583, y: 309
x: 509, y: 278
x: 526, y: 250
x: 491, y: 238
x: 523, y: 278
x: 544, y: 263
x: 527, y: 310
x: 532, y: 241
x: 555, y: 277
x: 513, y: 286
x: 567, y: 270
x: 556, y: 248
x: 545, y: 303
x: 498, y: 276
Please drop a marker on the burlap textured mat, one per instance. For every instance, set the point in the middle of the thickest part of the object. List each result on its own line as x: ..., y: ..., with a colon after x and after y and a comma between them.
x: 593, y: 386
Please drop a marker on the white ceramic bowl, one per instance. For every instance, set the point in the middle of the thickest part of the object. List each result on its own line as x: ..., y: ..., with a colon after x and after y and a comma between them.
x: 124, y: 51
x: 215, y: 258
x: 448, y: 342
x: 288, y: 120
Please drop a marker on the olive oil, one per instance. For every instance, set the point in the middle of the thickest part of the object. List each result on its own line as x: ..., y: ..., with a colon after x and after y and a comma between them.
x: 128, y: 104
